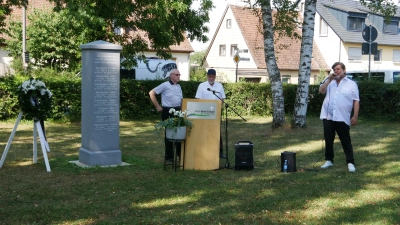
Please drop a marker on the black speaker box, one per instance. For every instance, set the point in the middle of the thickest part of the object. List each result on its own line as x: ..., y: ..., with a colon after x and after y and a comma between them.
x: 244, y: 155
x: 291, y: 158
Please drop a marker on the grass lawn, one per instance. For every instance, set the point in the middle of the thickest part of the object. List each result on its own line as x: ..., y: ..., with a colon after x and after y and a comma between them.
x: 144, y: 193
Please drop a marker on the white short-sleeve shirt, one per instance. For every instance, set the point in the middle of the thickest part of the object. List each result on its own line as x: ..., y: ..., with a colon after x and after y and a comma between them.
x: 338, y: 102
x: 171, y: 94
x: 203, y: 93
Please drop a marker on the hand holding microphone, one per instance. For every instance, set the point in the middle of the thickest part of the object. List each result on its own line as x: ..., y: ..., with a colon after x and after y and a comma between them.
x: 332, y: 76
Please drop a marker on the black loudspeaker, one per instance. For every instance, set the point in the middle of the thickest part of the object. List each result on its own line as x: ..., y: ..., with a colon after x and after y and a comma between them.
x: 291, y: 158
x: 244, y: 155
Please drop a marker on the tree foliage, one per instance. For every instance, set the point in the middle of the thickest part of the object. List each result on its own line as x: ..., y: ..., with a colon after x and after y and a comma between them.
x: 164, y: 22
x: 54, y: 37
x: 5, y: 11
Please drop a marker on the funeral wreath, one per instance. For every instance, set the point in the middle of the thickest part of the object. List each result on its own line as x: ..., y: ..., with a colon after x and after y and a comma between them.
x: 34, y: 99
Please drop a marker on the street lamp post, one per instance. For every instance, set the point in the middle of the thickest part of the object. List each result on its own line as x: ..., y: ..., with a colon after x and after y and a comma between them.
x: 236, y: 59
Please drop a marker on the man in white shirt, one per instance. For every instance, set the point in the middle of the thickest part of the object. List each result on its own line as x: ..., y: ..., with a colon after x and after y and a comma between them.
x: 171, y: 97
x: 212, y: 90
x: 342, y: 96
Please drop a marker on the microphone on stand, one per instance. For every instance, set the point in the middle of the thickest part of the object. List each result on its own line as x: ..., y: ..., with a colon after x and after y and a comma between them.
x: 213, y: 91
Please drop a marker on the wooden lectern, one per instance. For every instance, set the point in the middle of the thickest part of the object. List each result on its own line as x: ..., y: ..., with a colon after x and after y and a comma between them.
x: 202, y: 143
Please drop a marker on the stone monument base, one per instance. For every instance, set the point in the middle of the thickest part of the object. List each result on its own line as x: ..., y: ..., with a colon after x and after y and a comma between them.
x: 100, y: 158
x: 76, y: 162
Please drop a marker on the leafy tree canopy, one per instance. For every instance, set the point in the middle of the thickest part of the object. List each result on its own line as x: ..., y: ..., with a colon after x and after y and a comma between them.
x: 164, y: 21
x: 5, y: 11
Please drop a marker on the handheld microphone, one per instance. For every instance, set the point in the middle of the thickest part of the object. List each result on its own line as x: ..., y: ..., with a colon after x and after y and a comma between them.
x: 326, y: 78
x: 213, y: 91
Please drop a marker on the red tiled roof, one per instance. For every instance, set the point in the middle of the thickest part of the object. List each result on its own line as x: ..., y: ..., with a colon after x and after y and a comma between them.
x: 184, y: 46
x: 287, y: 58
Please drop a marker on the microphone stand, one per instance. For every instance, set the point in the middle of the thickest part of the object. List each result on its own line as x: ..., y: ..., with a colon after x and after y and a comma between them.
x: 226, y: 127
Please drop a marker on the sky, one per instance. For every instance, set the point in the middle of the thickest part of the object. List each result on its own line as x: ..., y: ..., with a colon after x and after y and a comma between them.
x: 215, y: 17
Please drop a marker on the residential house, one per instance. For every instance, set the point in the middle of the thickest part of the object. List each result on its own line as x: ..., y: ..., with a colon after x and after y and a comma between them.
x: 338, y: 33
x: 240, y: 31
x: 180, y: 53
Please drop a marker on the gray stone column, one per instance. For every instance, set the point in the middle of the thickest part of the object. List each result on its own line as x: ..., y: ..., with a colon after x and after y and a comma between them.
x: 100, y: 104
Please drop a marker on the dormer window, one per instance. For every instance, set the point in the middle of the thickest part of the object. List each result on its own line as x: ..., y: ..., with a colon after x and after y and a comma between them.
x: 355, y: 23
x: 391, y: 28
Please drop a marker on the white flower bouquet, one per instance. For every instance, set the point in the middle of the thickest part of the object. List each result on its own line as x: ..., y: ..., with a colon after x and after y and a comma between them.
x: 177, y: 119
x: 34, y: 99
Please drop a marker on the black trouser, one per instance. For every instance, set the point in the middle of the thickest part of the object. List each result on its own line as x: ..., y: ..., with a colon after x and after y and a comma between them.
x: 343, y: 131
x: 169, y: 146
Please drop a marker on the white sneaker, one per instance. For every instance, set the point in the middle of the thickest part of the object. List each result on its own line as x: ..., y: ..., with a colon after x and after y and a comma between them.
x: 351, y: 167
x: 327, y: 164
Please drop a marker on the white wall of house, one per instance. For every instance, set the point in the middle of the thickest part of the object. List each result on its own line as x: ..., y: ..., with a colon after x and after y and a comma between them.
x: 328, y: 42
x: 228, y: 37
x: 334, y: 50
x: 224, y: 64
x: 5, y: 63
x: 182, y: 62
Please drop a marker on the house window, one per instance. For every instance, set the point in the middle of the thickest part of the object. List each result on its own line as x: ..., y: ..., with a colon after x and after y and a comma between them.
x: 222, y: 50
x: 354, y: 54
x: 228, y: 23
x: 323, y: 28
x: 391, y: 28
x: 396, y: 55
x: 286, y: 79
x: 234, y: 50
x: 355, y: 23
x: 378, y: 55
x: 252, y: 79
x: 302, y: 7
x: 219, y: 79
x: 117, y: 30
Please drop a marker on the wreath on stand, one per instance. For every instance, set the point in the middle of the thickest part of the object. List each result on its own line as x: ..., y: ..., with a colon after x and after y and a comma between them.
x: 34, y: 100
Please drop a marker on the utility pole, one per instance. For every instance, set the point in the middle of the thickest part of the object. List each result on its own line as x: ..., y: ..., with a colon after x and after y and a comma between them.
x: 24, y: 63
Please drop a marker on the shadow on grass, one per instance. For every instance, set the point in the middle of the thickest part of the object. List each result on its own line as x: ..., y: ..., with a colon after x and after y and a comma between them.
x: 144, y: 193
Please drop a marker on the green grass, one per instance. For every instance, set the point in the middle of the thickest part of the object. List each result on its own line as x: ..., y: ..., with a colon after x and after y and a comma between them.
x: 143, y: 193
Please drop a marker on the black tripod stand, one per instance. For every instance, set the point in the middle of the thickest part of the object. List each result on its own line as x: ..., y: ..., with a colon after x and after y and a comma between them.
x: 226, y: 127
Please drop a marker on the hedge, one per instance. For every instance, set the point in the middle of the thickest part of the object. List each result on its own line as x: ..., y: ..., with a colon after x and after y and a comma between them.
x: 378, y: 100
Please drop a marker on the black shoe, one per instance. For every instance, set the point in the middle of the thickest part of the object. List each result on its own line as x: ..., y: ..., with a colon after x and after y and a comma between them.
x: 222, y: 156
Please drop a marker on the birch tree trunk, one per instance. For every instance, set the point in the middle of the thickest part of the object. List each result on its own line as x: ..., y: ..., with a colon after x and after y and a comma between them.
x: 301, y: 101
x: 272, y: 67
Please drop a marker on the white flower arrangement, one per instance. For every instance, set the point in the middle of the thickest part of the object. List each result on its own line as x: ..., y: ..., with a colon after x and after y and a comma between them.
x: 177, y: 119
x: 34, y: 99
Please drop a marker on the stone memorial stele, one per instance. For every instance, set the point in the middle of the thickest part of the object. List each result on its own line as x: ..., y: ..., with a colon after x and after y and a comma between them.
x: 100, y: 104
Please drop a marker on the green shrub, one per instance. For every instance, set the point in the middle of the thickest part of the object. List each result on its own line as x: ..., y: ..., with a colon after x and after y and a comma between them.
x: 378, y: 100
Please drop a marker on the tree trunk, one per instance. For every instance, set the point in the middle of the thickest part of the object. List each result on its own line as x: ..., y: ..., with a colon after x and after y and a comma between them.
x: 272, y: 67
x: 301, y: 101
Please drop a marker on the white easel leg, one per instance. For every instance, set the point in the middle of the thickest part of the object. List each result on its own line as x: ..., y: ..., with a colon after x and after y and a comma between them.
x: 42, y: 143
x: 34, y: 143
x: 3, y: 157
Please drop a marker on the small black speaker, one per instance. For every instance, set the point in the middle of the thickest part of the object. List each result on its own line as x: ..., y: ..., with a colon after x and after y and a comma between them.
x: 291, y: 158
x: 244, y: 155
